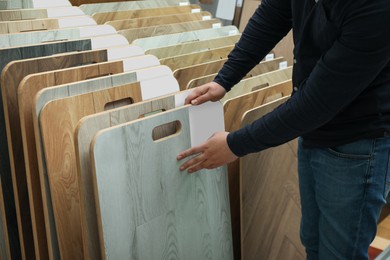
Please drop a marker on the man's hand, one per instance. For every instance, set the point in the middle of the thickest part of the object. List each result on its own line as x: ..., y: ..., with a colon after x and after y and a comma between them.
x: 211, y: 91
x: 214, y: 153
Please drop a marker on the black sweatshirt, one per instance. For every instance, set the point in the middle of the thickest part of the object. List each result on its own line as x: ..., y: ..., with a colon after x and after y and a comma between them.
x: 341, y: 73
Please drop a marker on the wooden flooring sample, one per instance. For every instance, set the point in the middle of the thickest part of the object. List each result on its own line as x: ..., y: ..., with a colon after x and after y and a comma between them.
x: 30, y: 38
x: 8, y: 167
x: 186, y: 74
x: 144, y: 32
x: 102, y: 18
x: 183, y: 216
x: 178, y: 38
x: 193, y: 59
x: 91, y: 9
x: 71, y: 243
x: 191, y: 47
x: 158, y: 20
x: 270, y: 199
x: 247, y: 85
x: 13, y: 75
x: 38, y: 13
x: 84, y: 134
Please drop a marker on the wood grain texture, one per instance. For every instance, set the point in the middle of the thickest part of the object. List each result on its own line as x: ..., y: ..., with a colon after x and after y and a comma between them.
x: 5, y: 252
x: 102, y: 18
x: 190, y: 47
x: 138, y: 33
x: 185, y: 37
x: 185, y: 75
x: 143, y: 203
x: 257, y: 70
x: 81, y: 2
x: 28, y: 25
x: 91, y: 9
x: 60, y: 159
x: 234, y: 110
x: 17, y: 170
x: 84, y: 134
x: 157, y: 20
x: 187, y: 60
x: 22, y: 14
x: 270, y: 199
x: 247, y: 85
x: 18, y: 70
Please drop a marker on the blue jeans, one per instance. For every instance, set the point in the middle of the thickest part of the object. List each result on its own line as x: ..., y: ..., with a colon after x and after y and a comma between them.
x: 343, y: 190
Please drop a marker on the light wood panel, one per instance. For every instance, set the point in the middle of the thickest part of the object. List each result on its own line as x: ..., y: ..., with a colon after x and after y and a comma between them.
x: 190, y: 47
x: 31, y: 38
x: 8, y: 167
x: 91, y: 9
x: 81, y: 2
x: 270, y: 199
x: 84, y: 133
x: 158, y: 20
x: 16, y: 71
x: 247, y: 85
x: 137, y: 33
x: 21, y: 4
x: 185, y: 37
x: 102, y: 18
x: 234, y: 110
x: 186, y: 60
x: 185, y: 75
x: 38, y: 13
x: 164, y: 205
x: 28, y: 25
x: 48, y: 94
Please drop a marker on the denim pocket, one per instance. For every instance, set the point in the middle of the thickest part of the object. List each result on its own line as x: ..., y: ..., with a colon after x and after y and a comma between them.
x: 359, y: 150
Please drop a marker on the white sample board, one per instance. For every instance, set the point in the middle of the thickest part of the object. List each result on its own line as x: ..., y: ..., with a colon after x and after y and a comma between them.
x: 143, y: 198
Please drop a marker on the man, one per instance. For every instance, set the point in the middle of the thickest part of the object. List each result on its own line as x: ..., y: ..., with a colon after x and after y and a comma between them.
x: 340, y: 109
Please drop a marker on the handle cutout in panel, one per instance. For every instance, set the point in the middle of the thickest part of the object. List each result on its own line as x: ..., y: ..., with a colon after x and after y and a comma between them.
x: 59, y: 40
x: 166, y: 131
x: 152, y: 113
x: 118, y: 103
x: 33, y: 30
x: 273, y: 97
x: 260, y: 87
x: 99, y: 76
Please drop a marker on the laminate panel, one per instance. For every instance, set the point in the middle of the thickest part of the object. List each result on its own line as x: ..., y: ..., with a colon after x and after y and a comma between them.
x: 185, y: 37
x: 19, y: 197
x: 137, y: 33
x: 44, y: 96
x: 190, y: 47
x: 158, y: 20
x: 247, y: 85
x: 257, y: 70
x: 187, y: 60
x: 186, y: 74
x: 234, y: 110
x: 21, y: 4
x: 270, y: 199
x: 84, y: 133
x: 4, y: 241
x: 80, y: 2
x: 183, y: 216
x: 17, y: 70
x: 90, y: 9
x: 30, y: 38
x: 102, y: 18
x: 45, y: 24
x: 38, y: 13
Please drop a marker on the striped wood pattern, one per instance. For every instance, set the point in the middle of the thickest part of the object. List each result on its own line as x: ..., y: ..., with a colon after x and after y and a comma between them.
x: 22, y: 14
x: 270, y: 210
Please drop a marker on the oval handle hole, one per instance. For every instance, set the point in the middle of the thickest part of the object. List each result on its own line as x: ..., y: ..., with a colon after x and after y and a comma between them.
x: 118, y: 103
x: 260, y: 87
x: 166, y: 131
x: 59, y: 40
x: 98, y: 76
x: 33, y: 30
x: 152, y: 113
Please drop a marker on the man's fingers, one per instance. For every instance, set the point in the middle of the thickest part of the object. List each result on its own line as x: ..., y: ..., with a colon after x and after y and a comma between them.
x: 189, y: 152
x: 190, y: 163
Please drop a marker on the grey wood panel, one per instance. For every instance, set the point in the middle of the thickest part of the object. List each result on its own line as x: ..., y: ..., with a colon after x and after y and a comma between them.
x: 190, y: 47
x: 178, y: 38
x: 84, y: 134
x: 270, y: 198
x: 144, y: 202
x: 150, y: 31
x: 91, y: 9
x: 30, y: 38
x: 10, y: 188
